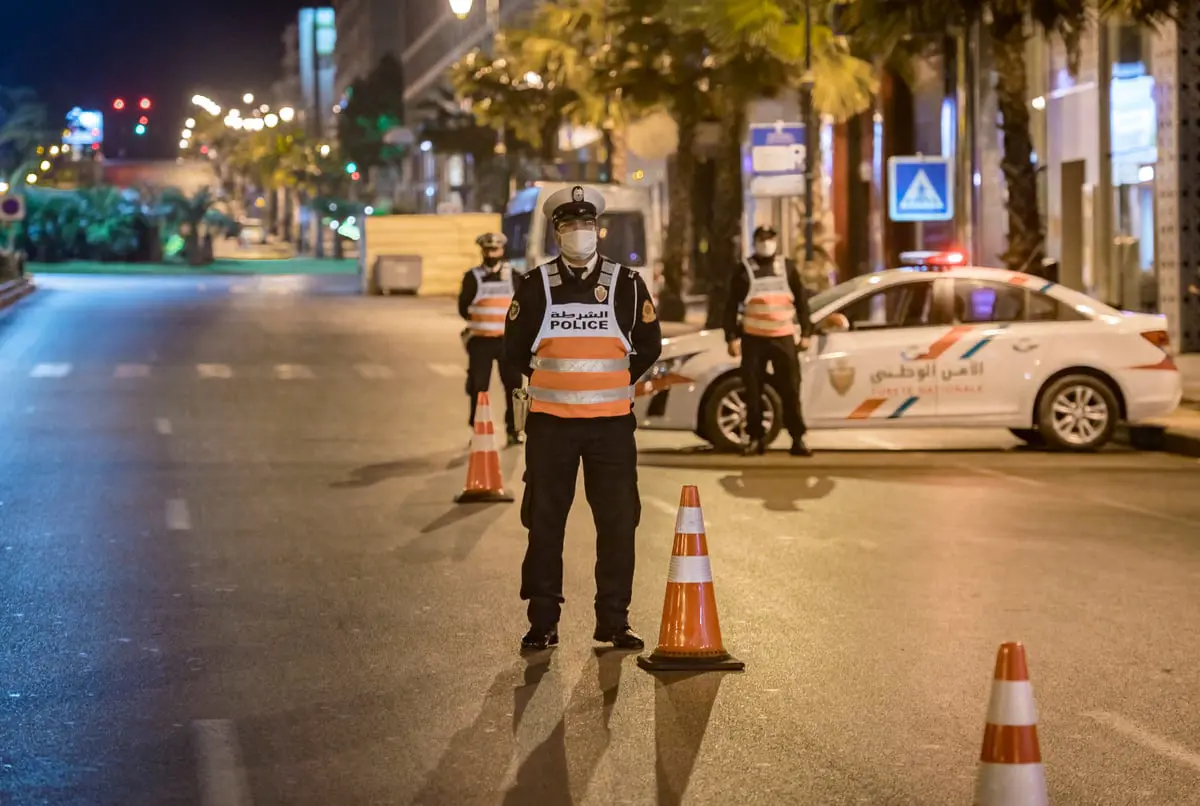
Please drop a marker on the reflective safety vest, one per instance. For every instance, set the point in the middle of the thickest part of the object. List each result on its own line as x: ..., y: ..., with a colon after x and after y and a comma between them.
x: 580, y: 357
x: 492, y: 298
x: 770, y: 310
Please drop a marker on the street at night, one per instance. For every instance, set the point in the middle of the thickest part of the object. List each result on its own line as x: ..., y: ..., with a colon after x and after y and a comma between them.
x: 233, y: 574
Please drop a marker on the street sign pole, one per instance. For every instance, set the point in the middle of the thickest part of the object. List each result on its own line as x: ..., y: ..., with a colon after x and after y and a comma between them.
x: 806, y: 113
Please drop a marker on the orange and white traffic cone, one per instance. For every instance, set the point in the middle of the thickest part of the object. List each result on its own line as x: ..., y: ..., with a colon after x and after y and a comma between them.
x: 485, y: 484
x: 689, y: 639
x: 1010, y: 765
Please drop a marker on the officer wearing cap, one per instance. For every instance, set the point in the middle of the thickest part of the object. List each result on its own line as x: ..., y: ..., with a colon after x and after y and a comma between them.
x: 584, y: 329
x: 487, y: 293
x: 769, y: 290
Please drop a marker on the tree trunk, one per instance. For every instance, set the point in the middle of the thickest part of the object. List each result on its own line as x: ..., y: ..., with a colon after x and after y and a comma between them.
x: 817, y: 276
x: 1025, y: 235
x: 727, y: 211
x: 548, y: 150
x: 677, y: 249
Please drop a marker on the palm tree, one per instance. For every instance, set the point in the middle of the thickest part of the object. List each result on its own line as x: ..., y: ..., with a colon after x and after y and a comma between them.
x: 759, y: 49
x: 884, y: 26
x: 22, y: 125
x: 189, y: 214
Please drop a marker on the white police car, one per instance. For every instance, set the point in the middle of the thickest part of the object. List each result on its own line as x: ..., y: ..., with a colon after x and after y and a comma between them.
x: 938, y: 345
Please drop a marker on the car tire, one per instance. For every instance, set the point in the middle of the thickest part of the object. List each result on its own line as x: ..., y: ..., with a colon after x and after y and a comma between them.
x: 1067, y: 403
x: 721, y: 405
x: 1030, y: 436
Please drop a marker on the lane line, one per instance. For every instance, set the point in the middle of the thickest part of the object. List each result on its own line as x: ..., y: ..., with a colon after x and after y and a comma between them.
x: 132, y: 371
x: 223, y: 780
x: 449, y: 370
x: 661, y: 505
x: 999, y: 474
x: 163, y: 426
x: 1159, y: 744
x: 293, y: 372
x: 374, y: 372
x: 51, y: 371
x: 214, y: 370
x: 178, y: 517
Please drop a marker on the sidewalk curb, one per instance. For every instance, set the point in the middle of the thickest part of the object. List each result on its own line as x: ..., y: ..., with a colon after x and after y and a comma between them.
x: 13, y: 290
x: 1159, y: 438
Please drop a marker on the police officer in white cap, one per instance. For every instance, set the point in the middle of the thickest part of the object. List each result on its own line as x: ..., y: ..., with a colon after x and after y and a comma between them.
x: 487, y: 292
x: 584, y: 329
x: 774, y: 299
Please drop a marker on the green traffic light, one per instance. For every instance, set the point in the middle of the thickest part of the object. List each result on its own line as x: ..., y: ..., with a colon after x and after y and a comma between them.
x: 351, y: 167
x: 139, y: 129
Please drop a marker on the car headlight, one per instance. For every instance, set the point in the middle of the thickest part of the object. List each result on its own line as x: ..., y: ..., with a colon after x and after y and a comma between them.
x: 666, y: 366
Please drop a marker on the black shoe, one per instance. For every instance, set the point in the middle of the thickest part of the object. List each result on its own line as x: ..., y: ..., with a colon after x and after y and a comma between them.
x: 799, y: 448
x: 538, y: 639
x: 621, y: 638
x: 515, y: 438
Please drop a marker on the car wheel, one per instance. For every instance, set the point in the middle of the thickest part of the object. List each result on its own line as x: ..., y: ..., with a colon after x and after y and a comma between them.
x: 1030, y: 436
x: 1077, y: 413
x: 724, y: 416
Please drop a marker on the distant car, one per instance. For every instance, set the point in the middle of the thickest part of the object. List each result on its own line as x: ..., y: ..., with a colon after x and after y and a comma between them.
x: 938, y: 345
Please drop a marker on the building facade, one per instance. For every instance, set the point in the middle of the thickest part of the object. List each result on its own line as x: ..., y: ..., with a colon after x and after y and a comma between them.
x: 308, y: 81
x: 367, y: 30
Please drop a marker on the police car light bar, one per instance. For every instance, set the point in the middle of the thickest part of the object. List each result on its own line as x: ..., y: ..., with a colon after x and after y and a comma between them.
x: 932, y: 260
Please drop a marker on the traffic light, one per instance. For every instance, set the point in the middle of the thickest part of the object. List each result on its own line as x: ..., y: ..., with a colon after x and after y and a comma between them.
x: 144, y: 120
x: 144, y: 103
x: 351, y: 167
x: 119, y: 104
x: 356, y: 176
x: 139, y: 129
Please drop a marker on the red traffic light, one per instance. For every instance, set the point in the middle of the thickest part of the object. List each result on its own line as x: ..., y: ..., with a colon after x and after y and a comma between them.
x: 356, y: 176
x: 143, y: 120
x: 119, y: 104
x: 144, y: 103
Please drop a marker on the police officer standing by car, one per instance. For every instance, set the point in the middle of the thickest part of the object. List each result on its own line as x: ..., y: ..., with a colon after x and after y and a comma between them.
x: 584, y: 329
x: 487, y: 292
x: 774, y: 298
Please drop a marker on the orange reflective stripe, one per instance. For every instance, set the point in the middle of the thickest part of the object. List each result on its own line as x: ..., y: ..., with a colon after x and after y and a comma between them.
x: 582, y: 347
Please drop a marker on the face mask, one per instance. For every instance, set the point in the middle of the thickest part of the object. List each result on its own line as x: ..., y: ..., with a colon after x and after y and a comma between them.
x: 578, y: 245
x: 766, y: 248
x: 491, y: 261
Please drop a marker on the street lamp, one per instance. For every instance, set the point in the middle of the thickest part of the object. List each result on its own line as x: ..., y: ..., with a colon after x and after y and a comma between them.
x: 461, y: 8
x: 271, y: 120
x: 183, y: 143
x: 248, y: 98
x: 806, y: 112
x: 190, y: 123
x: 287, y: 114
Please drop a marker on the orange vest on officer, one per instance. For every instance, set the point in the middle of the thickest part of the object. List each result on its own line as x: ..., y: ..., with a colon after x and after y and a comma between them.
x: 770, y: 309
x: 491, y: 303
x: 580, y: 357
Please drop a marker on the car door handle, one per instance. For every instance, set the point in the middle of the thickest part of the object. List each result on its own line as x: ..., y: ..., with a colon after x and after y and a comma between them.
x: 1024, y: 345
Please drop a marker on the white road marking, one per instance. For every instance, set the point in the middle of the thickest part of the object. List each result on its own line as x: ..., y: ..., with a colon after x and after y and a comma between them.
x: 449, y: 370
x: 223, y: 780
x: 163, y: 426
x: 132, y: 371
x: 998, y: 474
x: 1159, y: 744
x: 214, y: 370
x: 293, y: 372
x: 374, y: 372
x: 178, y: 517
x: 51, y: 371
x: 887, y: 445
x: 661, y: 505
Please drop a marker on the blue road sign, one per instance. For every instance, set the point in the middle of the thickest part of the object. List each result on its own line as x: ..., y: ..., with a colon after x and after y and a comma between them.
x: 777, y: 159
x: 12, y: 208
x: 920, y: 189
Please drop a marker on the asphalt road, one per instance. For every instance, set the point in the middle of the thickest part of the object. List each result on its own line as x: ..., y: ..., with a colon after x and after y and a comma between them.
x: 231, y: 574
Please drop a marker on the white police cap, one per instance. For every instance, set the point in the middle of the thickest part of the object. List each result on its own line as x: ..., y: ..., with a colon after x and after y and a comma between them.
x: 578, y: 201
x: 490, y: 240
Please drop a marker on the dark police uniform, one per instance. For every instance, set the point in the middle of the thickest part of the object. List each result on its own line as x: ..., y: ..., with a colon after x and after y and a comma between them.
x: 583, y: 335
x: 484, y: 300
x: 773, y: 297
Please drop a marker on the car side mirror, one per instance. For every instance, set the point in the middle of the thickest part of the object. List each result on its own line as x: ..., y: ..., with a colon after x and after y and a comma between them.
x: 834, y: 323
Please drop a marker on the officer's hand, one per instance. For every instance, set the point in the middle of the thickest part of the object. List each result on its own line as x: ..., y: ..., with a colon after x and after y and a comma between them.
x: 735, y: 348
x: 803, y: 343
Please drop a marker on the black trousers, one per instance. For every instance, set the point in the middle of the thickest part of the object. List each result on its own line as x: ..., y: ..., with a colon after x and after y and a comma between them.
x: 554, y: 450
x: 482, y: 352
x: 780, y: 353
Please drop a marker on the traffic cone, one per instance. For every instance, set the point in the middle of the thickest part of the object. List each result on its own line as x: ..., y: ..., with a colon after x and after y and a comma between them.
x: 689, y: 639
x: 484, y: 481
x: 1010, y: 765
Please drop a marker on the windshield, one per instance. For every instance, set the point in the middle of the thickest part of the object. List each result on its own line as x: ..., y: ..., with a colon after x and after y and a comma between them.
x: 622, y: 238
x: 516, y: 229
x: 831, y: 295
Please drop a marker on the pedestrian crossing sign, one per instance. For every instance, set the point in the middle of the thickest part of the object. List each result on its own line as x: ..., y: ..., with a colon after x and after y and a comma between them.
x: 920, y: 189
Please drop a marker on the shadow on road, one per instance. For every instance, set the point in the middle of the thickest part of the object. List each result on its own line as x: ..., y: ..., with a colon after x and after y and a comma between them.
x: 683, y: 703
x: 779, y: 491
x: 578, y: 741
x: 370, y: 475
